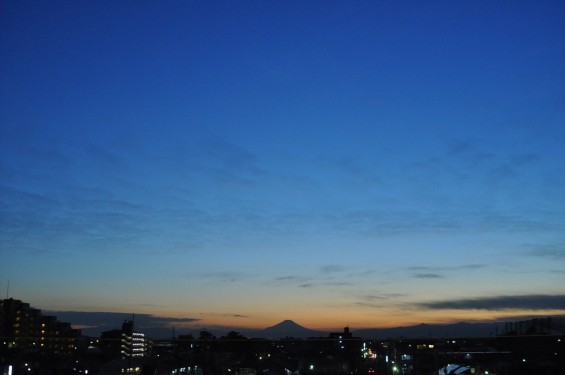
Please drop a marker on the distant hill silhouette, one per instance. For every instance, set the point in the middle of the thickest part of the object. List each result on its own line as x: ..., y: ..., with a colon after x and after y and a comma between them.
x: 434, y: 330
x: 288, y: 328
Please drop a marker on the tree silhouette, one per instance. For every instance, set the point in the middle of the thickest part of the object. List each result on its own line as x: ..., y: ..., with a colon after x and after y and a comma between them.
x: 205, y: 335
x: 234, y: 335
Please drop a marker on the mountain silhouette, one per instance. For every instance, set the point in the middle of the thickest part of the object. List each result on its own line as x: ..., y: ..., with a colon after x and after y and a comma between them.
x: 288, y: 328
x: 461, y: 329
x: 93, y: 323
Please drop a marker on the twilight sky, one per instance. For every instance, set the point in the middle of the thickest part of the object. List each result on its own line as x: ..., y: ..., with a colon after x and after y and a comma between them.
x: 371, y: 163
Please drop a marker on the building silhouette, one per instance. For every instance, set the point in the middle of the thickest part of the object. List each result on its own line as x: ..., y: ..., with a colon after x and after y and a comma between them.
x: 124, y: 342
x: 23, y: 327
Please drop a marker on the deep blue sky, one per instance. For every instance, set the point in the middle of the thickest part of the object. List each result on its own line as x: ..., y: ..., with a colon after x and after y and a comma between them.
x: 244, y: 162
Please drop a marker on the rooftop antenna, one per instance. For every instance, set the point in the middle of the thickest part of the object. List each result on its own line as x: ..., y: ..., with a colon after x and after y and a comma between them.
x: 8, y: 289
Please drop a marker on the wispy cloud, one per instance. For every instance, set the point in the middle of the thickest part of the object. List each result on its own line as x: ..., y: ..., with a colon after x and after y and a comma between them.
x: 228, y: 315
x: 291, y: 280
x: 236, y: 315
x: 327, y: 279
x: 381, y: 296
x: 285, y: 278
x: 553, y: 251
x: 212, y: 161
x: 524, y: 159
x: 332, y: 269
x: 428, y: 276
x: 77, y: 217
x: 338, y: 283
x: 105, y: 158
x: 433, y: 272
x: 377, y: 300
x: 524, y: 302
x: 453, y: 268
x: 225, y: 276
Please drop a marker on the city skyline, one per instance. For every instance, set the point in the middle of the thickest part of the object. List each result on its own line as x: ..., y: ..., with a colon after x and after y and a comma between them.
x: 370, y: 164
x: 97, y: 324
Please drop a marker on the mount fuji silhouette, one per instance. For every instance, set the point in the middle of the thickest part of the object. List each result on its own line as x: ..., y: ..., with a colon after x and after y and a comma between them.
x: 288, y: 328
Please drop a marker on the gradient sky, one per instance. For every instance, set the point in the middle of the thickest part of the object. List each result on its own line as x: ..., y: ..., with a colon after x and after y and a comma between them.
x: 371, y: 163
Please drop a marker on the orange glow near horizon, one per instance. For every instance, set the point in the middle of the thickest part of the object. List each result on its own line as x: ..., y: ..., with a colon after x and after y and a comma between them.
x: 329, y: 322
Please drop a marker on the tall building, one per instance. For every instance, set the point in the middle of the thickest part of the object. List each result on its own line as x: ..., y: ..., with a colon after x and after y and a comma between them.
x: 124, y: 342
x: 133, y: 343
x: 24, y: 327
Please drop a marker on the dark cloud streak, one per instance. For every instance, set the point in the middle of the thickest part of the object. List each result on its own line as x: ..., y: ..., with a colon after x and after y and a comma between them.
x: 97, y: 322
x: 555, y: 251
x: 520, y: 302
x: 428, y: 276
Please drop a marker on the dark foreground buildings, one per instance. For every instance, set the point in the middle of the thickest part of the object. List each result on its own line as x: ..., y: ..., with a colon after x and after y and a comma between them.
x: 25, y: 328
x: 31, y: 342
x: 36, y: 344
